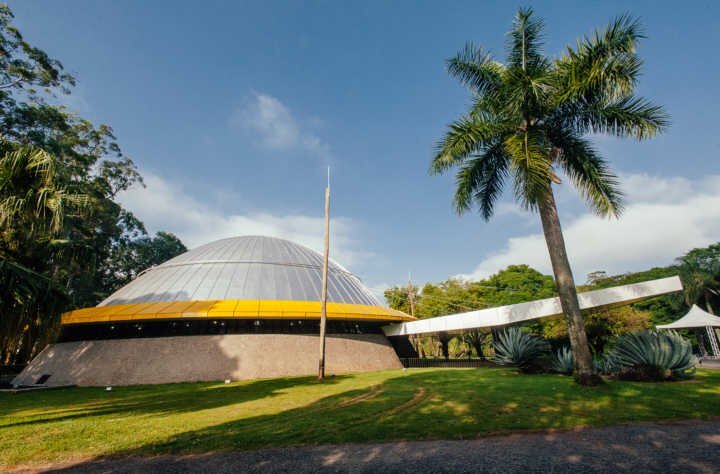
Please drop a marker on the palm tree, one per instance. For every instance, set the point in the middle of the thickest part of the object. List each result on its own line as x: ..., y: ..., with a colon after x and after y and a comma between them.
x: 33, y: 205
x: 529, y: 122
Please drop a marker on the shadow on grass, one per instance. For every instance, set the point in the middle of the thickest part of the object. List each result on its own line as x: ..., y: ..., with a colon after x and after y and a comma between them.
x: 166, y: 400
x: 444, y: 404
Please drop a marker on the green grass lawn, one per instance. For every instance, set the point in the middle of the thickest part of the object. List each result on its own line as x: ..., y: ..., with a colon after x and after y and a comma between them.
x: 82, y: 423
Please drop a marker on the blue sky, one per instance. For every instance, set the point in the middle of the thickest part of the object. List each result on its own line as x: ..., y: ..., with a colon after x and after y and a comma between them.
x: 233, y: 110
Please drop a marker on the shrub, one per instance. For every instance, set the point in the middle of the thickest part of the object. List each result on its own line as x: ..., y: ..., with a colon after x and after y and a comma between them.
x: 653, y: 355
x: 520, y: 349
x: 563, y: 361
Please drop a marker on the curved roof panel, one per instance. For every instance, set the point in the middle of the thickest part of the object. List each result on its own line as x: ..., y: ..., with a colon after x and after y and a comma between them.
x: 244, y: 268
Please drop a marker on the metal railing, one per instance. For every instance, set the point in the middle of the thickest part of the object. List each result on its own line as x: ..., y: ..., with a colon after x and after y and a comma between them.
x: 417, y: 362
x: 8, y: 373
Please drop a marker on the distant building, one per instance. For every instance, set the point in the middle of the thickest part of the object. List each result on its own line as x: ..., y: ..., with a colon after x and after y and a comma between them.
x: 238, y: 308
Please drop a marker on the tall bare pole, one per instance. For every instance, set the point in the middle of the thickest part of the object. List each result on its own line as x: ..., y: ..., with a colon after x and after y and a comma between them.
x: 323, y: 298
x: 411, y: 295
x: 414, y: 340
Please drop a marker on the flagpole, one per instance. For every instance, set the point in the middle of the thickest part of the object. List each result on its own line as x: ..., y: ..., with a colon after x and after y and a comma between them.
x: 323, y: 298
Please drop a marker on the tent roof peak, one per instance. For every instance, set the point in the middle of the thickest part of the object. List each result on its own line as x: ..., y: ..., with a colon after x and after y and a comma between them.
x: 695, y: 318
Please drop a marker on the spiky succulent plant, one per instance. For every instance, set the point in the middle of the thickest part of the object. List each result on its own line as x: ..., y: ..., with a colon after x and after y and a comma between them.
x: 563, y: 361
x: 653, y: 354
x: 605, y: 365
x: 518, y: 348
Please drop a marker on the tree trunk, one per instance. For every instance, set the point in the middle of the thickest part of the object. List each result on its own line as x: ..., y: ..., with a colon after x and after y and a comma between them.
x: 445, y: 344
x: 417, y: 345
x: 707, y: 304
x: 701, y: 342
x: 566, y: 290
x: 494, y: 334
x: 478, y: 348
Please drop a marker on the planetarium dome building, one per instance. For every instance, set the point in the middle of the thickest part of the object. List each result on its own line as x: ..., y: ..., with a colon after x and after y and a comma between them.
x: 238, y: 308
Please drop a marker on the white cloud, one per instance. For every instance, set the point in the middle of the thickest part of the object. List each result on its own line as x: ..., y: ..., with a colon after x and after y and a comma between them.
x: 664, y: 218
x: 164, y: 205
x: 276, y: 128
x: 512, y: 208
x: 646, y: 188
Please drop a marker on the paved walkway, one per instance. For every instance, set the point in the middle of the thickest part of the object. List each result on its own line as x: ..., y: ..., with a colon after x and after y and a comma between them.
x: 673, y: 447
x: 710, y: 364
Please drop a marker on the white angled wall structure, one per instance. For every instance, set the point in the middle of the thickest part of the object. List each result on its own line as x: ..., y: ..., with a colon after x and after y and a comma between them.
x: 516, y: 313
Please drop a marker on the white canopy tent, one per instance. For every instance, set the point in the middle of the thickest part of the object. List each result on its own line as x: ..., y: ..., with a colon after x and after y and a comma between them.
x: 696, y: 318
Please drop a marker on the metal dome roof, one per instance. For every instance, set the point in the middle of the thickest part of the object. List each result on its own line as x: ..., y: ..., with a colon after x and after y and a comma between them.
x: 244, y: 268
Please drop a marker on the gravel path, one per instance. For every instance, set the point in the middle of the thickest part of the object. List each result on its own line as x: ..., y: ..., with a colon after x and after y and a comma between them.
x: 672, y: 447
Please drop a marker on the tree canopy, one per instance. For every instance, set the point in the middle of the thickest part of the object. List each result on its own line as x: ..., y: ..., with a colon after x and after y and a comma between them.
x: 65, y: 241
x: 700, y: 271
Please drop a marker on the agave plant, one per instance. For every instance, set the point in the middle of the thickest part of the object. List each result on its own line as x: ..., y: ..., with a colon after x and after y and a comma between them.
x: 605, y: 365
x: 518, y: 348
x: 651, y: 354
x: 563, y: 362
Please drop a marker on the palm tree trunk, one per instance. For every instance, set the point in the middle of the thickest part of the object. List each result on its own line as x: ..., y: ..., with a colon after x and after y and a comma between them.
x: 566, y: 290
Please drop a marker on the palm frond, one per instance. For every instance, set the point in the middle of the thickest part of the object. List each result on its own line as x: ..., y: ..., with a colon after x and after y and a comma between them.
x: 465, y: 137
x: 525, y: 39
x: 531, y: 166
x: 31, y: 192
x: 627, y: 116
x: 602, y: 66
x: 475, y: 69
x: 525, y: 92
x: 481, y: 181
x: 590, y: 173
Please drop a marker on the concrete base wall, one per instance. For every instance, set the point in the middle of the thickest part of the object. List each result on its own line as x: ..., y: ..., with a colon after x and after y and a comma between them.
x: 205, y: 358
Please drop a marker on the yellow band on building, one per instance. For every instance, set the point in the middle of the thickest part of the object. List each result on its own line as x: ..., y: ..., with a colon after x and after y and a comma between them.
x: 237, y: 309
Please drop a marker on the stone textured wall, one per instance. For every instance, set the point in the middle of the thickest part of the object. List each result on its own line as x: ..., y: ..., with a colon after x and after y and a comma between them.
x: 205, y: 358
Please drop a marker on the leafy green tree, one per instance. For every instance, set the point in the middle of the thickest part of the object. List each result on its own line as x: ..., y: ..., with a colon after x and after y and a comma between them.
x: 662, y: 309
x: 60, y: 224
x: 133, y: 256
x: 26, y: 298
x: 529, y: 121
x: 700, y: 273
x: 654, y: 273
x: 23, y: 66
x: 398, y: 297
x: 514, y: 284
